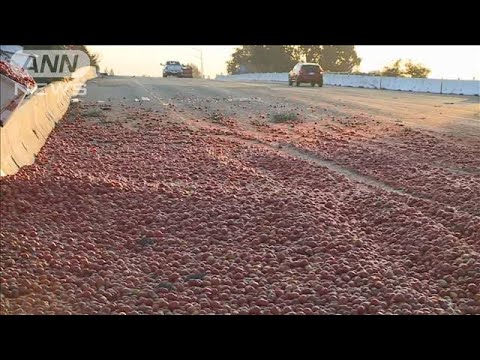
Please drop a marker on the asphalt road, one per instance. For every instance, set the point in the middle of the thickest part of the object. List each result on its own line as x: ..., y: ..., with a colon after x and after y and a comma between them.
x: 456, y: 115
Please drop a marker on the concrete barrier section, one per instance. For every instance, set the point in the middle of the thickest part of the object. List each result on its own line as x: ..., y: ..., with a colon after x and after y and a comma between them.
x: 427, y: 85
x: 332, y: 79
x: 393, y: 83
x: 263, y: 77
x: 361, y: 81
x: 27, y: 130
x: 461, y: 87
x: 437, y: 86
x: 408, y: 84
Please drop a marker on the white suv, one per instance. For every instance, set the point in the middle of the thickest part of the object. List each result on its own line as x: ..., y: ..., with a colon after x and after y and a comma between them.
x: 172, y: 68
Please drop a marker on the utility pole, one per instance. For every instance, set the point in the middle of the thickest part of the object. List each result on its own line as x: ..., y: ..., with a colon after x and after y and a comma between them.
x: 201, y: 60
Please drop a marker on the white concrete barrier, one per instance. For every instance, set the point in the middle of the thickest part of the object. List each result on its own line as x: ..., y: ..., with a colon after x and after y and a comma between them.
x: 361, y: 81
x: 31, y: 123
x: 394, y: 83
x: 462, y: 87
x: 264, y: 77
x: 409, y: 84
x: 369, y: 82
x: 427, y: 85
x: 332, y: 79
x: 436, y: 86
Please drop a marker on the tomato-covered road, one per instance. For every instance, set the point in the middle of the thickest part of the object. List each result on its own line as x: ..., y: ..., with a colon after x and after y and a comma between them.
x: 185, y: 196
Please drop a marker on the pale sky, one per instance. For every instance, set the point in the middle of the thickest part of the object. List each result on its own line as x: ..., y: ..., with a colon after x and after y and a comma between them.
x: 448, y: 62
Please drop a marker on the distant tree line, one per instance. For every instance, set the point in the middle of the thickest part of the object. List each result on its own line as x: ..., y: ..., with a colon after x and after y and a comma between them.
x: 402, y: 68
x: 281, y: 58
x: 332, y: 58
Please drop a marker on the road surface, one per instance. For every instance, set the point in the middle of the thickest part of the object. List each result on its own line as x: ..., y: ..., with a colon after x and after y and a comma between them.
x: 159, y: 196
x: 397, y: 141
x: 439, y: 113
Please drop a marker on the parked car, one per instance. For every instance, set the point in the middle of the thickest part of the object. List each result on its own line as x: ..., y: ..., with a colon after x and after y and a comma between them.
x: 172, y: 68
x: 306, y: 73
x: 187, y: 72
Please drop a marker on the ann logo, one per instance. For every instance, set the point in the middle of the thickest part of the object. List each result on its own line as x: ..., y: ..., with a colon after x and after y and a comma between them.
x: 54, y: 64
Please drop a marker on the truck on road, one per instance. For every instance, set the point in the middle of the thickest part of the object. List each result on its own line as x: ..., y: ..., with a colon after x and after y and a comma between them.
x: 187, y: 71
x: 172, y: 68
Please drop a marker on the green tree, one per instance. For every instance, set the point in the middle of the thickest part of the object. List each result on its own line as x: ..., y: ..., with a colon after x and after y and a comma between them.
x: 416, y: 70
x: 261, y: 58
x: 395, y: 69
x: 111, y: 73
x: 334, y: 58
x: 307, y: 53
x: 240, y: 57
x: 401, y: 68
x: 280, y: 58
x: 338, y: 58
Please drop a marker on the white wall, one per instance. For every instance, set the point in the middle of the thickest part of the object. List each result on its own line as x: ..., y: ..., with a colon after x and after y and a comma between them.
x: 437, y: 86
x: 462, y: 87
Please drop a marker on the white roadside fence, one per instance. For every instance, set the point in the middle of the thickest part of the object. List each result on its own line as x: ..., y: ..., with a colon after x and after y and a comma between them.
x: 437, y: 86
